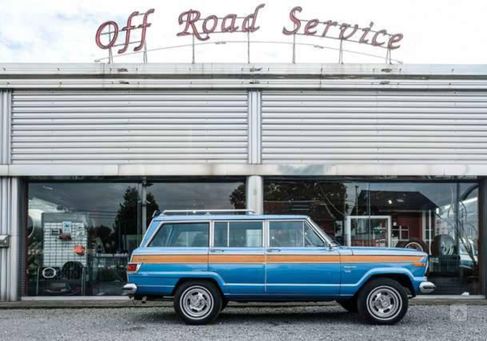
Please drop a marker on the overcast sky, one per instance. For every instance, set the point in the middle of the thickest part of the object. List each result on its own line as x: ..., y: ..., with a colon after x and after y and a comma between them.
x: 435, y: 31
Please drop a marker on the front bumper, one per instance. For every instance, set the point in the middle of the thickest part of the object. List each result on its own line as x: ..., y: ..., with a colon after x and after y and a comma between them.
x: 426, y: 287
x: 129, y: 289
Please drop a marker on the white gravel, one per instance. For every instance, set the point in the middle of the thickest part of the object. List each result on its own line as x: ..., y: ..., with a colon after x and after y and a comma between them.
x: 436, y: 322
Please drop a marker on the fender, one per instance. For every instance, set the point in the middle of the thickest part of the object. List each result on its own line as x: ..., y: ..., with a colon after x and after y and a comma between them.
x: 352, y: 289
x: 202, y: 275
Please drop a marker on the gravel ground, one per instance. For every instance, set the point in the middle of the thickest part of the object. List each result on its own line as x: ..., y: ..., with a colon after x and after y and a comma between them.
x: 441, y: 322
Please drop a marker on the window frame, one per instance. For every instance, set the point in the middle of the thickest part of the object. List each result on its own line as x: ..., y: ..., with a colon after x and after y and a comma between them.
x: 228, y: 221
x: 161, y: 225
x: 326, y: 243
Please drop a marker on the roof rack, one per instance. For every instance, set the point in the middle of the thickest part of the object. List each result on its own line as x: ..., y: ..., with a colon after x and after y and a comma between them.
x: 196, y: 212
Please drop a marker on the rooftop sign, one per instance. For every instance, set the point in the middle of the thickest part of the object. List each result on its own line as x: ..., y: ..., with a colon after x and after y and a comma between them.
x: 341, y: 31
x: 201, y: 27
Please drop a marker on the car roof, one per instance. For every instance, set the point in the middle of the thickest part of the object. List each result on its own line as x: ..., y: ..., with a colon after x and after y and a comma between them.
x: 186, y: 217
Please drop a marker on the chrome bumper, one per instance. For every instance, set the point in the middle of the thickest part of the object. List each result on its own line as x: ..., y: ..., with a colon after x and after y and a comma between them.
x: 129, y: 289
x: 427, y: 287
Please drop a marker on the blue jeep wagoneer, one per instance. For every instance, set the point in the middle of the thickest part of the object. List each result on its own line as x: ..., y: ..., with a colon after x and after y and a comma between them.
x: 203, y: 259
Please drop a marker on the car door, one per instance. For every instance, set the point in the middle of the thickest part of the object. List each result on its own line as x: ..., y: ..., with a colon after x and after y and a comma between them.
x: 299, y: 262
x: 237, y: 256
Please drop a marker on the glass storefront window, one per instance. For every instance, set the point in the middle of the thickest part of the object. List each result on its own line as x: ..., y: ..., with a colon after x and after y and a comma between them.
x: 80, y: 235
x: 195, y: 195
x: 440, y: 218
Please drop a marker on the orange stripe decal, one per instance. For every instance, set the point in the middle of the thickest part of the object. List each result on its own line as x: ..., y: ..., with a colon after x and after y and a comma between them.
x: 303, y: 259
x: 242, y: 259
x: 380, y: 259
x: 170, y: 259
x: 272, y: 259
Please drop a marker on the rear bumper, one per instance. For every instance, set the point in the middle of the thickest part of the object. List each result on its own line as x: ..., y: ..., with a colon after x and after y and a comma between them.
x: 129, y: 289
x: 426, y: 287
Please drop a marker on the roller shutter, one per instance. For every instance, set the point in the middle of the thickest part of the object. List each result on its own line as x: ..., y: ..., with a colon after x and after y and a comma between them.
x: 374, y: 126
x: 129, y: 127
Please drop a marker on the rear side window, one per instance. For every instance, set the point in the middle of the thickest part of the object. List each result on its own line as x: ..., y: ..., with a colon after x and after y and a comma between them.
x: 181, y: 235
x: 292, y: 234
x: 238, y: 234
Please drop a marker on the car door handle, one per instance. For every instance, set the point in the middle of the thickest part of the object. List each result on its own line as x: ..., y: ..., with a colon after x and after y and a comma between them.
x: 217, y: 250
x: 273, y: 250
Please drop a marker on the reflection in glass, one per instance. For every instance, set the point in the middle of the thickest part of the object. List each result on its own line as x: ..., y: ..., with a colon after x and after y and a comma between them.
x: 368, y: 230
x: 182, y: 235
x: 286, y: 234
x: 292, y: 234
x: 221, y: 234
x: 440, y: 218
x: 196, y: 195
x: 245, y: 234
x: 238, y: 234
x: 80, y: 236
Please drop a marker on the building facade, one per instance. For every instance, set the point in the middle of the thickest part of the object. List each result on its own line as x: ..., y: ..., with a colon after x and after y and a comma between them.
x: 377, y: 155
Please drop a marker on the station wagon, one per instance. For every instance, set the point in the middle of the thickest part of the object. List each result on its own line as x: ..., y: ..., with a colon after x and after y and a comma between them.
x: 204, y: 259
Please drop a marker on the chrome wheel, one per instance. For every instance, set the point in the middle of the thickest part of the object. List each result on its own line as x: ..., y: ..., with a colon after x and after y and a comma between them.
x: 384, y: 303
x: 196, y: 302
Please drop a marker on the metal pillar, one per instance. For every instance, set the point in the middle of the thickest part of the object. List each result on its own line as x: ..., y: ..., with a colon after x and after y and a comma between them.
x: 483, y: 235
x: 10, y: 256
x: 255, y: 126
x: 143, y: 199
x: 255, y: 183
x: 255, y: 193
x: 5, y: 118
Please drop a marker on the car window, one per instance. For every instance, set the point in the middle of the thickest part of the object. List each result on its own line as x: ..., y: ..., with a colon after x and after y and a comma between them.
x: 311, y: 238
x: 181, y: 235
x: 221, y: 234
x: 292, y: 234
x: 238, y: 234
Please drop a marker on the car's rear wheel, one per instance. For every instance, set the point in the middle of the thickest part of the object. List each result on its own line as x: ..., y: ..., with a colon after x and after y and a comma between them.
x: 382, y: 301
x: 349, y: 305
x: 197, y: 302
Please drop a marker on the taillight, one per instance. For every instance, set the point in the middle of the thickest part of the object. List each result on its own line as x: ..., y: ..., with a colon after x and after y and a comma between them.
x: 133, y: 267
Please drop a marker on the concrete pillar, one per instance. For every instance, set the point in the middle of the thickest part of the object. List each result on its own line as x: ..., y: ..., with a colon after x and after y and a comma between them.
x: 255, y: 193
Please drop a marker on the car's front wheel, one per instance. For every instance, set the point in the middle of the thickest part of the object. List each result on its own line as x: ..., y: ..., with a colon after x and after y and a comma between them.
x: 382, y: 301
x: 197, y: 302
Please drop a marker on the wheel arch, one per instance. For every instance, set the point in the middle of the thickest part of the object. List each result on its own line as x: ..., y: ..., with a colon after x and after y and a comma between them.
x: 400, y: 277
x: 198, y: 279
